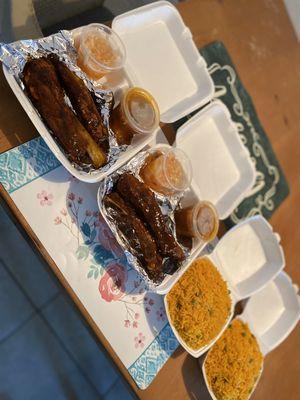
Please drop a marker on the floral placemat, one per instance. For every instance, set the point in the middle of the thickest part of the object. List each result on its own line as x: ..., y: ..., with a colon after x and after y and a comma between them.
x: 63, y: 213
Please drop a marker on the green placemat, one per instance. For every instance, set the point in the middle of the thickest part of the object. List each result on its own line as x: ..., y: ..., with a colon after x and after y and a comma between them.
x: 271, y: 187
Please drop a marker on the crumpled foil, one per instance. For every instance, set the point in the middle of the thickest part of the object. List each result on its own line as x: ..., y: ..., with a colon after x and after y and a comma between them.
x: 15, y: 55
x: 167, y: 206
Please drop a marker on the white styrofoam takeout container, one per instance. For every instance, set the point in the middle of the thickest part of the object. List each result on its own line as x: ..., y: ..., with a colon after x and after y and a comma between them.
x: 248, y: 256
x: 271, y: 314
x: 189, y: 197
x: 222, y: 169
x: 138, y: 143
x: 223, y: 172
x: 161, y: 57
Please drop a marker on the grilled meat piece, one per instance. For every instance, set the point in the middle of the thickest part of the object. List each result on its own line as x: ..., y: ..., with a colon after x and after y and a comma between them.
x: 139, y: 239
x: 82, y: 102
x: 143, y: 201
x: 47, y: 95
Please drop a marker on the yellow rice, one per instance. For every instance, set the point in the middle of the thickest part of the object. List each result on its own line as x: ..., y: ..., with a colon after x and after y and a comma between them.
x: 199, y: 304
x: 234, y: 363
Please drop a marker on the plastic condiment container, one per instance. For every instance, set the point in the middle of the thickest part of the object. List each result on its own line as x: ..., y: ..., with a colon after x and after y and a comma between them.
x: 100, y: 51
x: 167, y: 170
x: 271, y: 314
x: 248, y: 257
x: 137, y: 113
x: 199, y: 220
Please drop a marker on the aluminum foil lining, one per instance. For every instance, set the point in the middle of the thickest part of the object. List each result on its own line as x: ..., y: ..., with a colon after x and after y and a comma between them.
x: 167, y: 206
x: 15, y: 55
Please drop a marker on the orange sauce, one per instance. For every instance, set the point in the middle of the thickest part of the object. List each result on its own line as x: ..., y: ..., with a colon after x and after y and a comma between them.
x: 97, y: 50
x: 162, y: 174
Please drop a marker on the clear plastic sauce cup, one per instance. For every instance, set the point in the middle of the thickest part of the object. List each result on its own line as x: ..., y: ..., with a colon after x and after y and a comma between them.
x: 137, y: 112
x: 100, y: 51
x: 167, y: 171
x: 198, y: 221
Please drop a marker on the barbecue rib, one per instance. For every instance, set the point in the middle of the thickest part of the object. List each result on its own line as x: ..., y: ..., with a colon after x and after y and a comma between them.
x: 82, y: 102
x: 143, y: 201
x: 139, y: 239
x: 47, y: 95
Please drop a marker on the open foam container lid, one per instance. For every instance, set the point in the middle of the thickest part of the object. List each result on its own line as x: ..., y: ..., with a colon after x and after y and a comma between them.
x: 273, y: 312
x: 249, y: 256
x: 163, y: 59
x: 223, y: 172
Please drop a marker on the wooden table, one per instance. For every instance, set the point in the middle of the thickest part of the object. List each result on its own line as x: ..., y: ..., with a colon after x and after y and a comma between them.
x: 264, y: 48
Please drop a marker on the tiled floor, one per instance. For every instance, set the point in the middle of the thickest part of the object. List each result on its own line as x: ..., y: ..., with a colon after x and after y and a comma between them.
x: 46, y: 349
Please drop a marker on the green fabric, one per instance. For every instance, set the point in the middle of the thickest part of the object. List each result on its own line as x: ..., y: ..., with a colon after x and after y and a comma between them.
x: 271, y: 187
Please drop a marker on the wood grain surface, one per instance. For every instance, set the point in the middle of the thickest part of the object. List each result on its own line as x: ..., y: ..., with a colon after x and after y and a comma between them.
x: 265, y: 51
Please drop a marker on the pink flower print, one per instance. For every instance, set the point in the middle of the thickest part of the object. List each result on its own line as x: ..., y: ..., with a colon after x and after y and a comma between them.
x: 135, y: 324
x: 160, y: 314
x: 45, y: 198
x: 127, y: 323
x: 71, y: 196
x: 151, y: 302
x: 88, y: 213
x: 80, y: 200
x: 57, y: 220
x: 145, y: 299
x: 63, y: 212
x: 136, y: 315
x: 112, y: 283
x: 139, y: 341
x: 147, y: 310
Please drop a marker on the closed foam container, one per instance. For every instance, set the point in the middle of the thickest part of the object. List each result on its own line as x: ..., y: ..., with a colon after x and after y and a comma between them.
x: 161, y: 58
x: 271, y: 314
x: 248, y: 257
